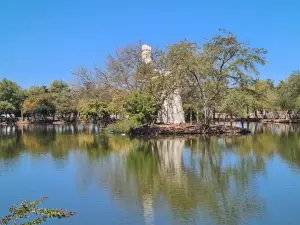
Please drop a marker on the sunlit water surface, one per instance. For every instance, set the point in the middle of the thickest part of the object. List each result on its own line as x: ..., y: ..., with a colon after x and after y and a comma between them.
x: 109, y: 179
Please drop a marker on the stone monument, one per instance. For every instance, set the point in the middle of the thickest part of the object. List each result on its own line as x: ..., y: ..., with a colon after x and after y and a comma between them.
x: 172, y: 109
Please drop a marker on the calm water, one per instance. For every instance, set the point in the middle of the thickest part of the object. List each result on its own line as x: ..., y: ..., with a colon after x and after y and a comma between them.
x: 111, y: 179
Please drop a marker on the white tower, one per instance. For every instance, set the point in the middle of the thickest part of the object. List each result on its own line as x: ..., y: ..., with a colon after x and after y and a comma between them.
x: 172, y: 110
x: 146, y: 53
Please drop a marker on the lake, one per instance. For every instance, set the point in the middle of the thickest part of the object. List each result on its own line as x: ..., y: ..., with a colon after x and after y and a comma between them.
x: 111, y: 179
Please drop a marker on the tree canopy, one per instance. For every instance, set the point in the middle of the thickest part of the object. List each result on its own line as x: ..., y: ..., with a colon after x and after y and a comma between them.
x: 217, y: 76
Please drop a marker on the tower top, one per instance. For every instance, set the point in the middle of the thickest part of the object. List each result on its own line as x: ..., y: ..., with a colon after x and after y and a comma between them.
x: 146, y: 53
x: 146, y: 47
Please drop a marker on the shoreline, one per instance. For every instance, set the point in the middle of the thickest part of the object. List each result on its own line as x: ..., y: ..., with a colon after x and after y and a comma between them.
x: 186, y: 129
x: 160, y: 129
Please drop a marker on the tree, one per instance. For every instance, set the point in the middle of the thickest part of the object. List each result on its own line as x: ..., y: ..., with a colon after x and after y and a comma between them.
x: 209, y: 69
x: 289, y: 90
x: 234, y: 103
x: 96, y: 110
x: 233, y: 62
x: 297, y: 104
x: 6, y: 107
x: 260, y: 96
x: 142, y: 107
x: 37, y: 90
x: 265, y: 95
x: 59, y: 86
x: 128, y: 69
x: 64, y: 104
x: 12, y: 93
x: 63, y: 99
x: 39, y: 105
x: 129, y: 72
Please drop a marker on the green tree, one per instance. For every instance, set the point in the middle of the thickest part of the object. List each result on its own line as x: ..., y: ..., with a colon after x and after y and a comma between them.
x: 222, y: 62
x: 39, y: 105
x: 235, y: 103
x: 297, y: 104
x: 63, y: 99
x: 37, y: 90
x: 6, y: 107
x: 12, y: 93
x: 96, y: 111
x: 289, y: 90
x: 142, y: 107
x: 265, y: 95
x: 59, y: 86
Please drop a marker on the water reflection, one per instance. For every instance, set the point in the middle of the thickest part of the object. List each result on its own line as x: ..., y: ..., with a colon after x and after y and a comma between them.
x: 209, y: 180
x: 194, y: 177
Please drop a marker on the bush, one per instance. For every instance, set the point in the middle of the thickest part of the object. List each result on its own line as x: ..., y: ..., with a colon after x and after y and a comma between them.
x: 143, y: 107
x: 125, y: 126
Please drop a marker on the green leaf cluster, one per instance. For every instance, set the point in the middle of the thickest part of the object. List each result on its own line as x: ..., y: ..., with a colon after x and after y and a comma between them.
x: 29, y: 209
x: 142, y: 107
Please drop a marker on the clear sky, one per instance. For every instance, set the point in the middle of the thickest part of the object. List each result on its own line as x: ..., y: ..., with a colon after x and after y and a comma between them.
x: 44, y: 40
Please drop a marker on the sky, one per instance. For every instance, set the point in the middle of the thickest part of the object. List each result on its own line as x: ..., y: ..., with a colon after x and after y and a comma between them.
x: 45, y: 40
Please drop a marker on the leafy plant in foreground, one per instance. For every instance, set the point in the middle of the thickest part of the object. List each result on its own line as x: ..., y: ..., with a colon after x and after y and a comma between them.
x: 31, y: 209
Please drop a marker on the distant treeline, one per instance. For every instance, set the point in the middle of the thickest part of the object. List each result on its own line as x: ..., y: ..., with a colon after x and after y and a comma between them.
x: 219, y: 76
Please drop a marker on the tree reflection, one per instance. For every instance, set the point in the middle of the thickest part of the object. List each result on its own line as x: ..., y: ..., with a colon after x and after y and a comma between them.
x: 198, y: 177
x: 57, y: 141
x: 10, y: 146
x: 190, y: 173
x: 222, y: 190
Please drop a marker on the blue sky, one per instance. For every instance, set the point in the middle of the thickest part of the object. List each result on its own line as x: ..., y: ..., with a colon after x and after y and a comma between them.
x: 44, y: 40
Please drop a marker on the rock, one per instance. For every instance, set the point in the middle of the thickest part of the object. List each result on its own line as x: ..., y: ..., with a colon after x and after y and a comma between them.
x: 172, y: 110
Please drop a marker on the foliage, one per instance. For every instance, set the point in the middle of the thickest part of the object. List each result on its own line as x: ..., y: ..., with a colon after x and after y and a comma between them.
x: 289, y: 90
x: 259, y: 96
x: 95, y: 110
x: 59, y: 86
x: 41, y: 104
x: 124, y: 126
x: 190, y: 110
x: 265, y: 95
x: 297, y: 104
x: 62, y: 99
x: 64, y: 103
x: 12, y: 93
x: 210, y: 69
x: 6, y: 107
x: 29, y: 209
x: 128, y: 71
x: 37, y: 90
x: 142, y: 107
x: 219, y: 75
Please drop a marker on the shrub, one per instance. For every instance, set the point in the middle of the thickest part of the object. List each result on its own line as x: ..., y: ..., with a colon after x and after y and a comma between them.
x: 142, y: 107
x: 125, y: 126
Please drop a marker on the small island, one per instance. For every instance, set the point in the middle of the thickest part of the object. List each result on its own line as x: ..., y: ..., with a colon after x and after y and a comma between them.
x: 184, y: 129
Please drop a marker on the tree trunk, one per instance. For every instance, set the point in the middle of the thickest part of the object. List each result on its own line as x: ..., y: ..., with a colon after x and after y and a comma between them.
x: 22, y: 115
x: 206, y: 115
x: 247, y: 112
